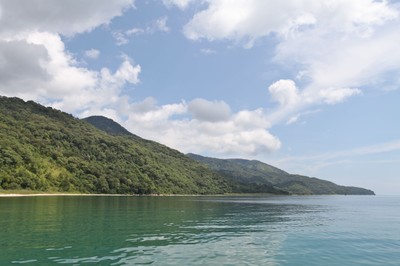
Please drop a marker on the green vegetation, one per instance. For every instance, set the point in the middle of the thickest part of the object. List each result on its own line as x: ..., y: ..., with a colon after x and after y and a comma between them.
x: 264, y: 177
x: 42, y: 149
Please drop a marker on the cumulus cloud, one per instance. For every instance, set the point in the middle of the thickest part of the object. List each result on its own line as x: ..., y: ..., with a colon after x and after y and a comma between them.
x: 252, y: 19
x: 105, y: 93
x: 55, y: 78
x: 204, y: 110
x: 36, y: 65
x: 21, y: 64
x: 48, y: 70
x: 192, y: 127
x: 335, y: 59
x: 213, y: 128
x: 63, y: 17
x: 292, y: 101
x: 285, y: 92
x: 337, y: 95
x: 247, y: 20
x: 338, y: 48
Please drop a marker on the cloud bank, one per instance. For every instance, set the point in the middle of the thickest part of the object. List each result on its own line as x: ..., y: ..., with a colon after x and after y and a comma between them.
x: 336, y: 49
x: 211, y: 127
x: 36, y: 65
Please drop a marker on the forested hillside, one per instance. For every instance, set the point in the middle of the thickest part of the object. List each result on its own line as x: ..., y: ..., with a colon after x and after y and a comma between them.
x: 48, y: 150
x: 42, y: 149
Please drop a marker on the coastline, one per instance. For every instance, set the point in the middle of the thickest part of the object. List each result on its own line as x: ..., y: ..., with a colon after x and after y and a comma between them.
x: 9, y: 195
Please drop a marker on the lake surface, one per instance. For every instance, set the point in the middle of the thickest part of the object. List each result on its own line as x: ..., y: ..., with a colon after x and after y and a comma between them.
x: 254, y: 230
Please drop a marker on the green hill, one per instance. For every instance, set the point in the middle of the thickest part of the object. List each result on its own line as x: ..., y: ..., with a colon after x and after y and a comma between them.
x: 258, y: 174
x: 43, y: 149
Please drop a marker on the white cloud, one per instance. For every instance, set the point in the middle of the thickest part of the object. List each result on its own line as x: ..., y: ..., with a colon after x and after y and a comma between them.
x: 35, y: 64
x: 48, y: 71
x: 134, y: 31
x: 92, y: 53
x: 332, y: 59
x: 213, y: 128
x: 291, y: 100
x: 127, y: 73
x: 338, y: 48
x: 181, y: 4
x: 204, y: 110
x: 252, y: 119
x: 247, y: 20
x: 337, y: 95
x: 21, y: 64
x: 252, y: 19
x: 285, y: 92
x: 156, y: 116
x: 105, y: 92
x: 63, y: 17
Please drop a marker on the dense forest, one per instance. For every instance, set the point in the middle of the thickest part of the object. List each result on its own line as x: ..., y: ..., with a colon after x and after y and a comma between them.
x: 43, y: 149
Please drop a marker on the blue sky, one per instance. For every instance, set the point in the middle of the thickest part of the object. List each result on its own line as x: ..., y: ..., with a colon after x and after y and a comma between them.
x: 309, y: 86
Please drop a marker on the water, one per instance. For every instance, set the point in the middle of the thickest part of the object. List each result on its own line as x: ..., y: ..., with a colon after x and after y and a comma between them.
x: 259, y: 230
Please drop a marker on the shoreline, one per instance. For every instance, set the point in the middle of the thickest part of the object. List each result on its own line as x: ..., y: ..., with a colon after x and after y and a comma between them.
x: 10, y: 195
x: 6, y: 194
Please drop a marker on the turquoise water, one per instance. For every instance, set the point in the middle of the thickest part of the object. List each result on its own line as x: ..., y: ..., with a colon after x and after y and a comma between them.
x: 259, y: 230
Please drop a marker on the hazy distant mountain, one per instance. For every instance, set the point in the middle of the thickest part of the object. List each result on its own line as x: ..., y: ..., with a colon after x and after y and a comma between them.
x: 256, y: 172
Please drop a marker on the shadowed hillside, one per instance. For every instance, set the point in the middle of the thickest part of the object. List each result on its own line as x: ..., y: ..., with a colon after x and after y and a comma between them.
x: 107, y: 125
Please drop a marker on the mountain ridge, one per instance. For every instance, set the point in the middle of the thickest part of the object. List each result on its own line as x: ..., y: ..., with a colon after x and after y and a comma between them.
x: 257, y: 172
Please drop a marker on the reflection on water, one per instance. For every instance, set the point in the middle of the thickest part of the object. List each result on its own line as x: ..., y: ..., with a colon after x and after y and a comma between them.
x: 178, y: 230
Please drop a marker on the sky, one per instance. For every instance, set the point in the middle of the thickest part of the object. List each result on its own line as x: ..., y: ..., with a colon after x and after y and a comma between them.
x: 309, y: 86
